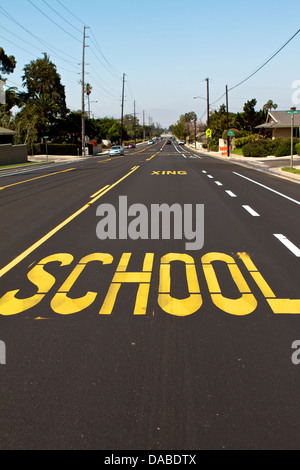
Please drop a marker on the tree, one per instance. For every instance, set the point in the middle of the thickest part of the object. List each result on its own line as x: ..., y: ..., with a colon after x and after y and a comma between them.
x: 269, y: 106
x: 7, y: 66
x: 12, y: 98
x: 189, y: 118
x: 7, y: 63
x: 45, y: 94
x: 251, y: 117
x: 178, y: 129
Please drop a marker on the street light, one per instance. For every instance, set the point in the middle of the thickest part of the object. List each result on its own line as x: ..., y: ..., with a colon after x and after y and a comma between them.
x: 90, y: 102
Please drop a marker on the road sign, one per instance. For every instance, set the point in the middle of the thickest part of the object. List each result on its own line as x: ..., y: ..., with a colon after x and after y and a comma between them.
x: 46, y: 137
x: 231, y: 133
x: 208, y: 133
x: 296, y: 111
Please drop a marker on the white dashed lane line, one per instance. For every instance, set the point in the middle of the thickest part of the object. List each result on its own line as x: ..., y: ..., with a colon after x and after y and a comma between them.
x: 231, y: 194
x: 282, y: 238
x: 293, y: 248
x: 251, y: 211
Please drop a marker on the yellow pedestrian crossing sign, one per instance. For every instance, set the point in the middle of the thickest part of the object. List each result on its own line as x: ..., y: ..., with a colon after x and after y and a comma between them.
x: 208, y: 133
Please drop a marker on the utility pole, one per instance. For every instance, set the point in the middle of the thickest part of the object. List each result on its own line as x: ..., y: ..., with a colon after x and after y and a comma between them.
x: 227, y: 113
x: 83, y: 93
x: 208, y: 107
x: 134, y: 122
x: 122, y: 112
x: 144, y: 133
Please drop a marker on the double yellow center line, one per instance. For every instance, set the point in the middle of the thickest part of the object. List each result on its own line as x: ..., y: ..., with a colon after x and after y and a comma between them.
x: 37, y: 178
x: 40, y: 242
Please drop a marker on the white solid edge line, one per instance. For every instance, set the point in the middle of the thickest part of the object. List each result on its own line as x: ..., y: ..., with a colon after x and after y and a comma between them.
x: 251, y: 211
x: 266, y: 187
x: 293, y: 248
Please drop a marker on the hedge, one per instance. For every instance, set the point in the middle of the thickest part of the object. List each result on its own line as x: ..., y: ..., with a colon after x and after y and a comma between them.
x: 280, y: 147
x: 242, y: 141
x: 297, y: 146
x: 54, y: 149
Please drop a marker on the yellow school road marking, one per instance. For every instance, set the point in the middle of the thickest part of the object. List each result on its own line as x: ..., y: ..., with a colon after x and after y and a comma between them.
x: 37, y: 178
x: 63, y: 302
x: 40, y: 242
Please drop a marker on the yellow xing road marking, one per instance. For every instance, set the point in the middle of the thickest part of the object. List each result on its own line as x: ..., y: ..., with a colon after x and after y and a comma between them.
x: 37, y: 178
x: 64, y: 303
x: 168, y: 173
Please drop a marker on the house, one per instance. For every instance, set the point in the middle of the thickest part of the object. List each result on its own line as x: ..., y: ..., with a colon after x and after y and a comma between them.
x: 6, y: 136
x: 279, y: 122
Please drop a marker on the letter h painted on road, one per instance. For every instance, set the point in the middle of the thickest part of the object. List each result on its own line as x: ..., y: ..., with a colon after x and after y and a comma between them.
x: 122, y: 276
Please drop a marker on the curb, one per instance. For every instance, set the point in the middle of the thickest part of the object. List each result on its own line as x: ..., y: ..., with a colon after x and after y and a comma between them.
x: 247, y: 164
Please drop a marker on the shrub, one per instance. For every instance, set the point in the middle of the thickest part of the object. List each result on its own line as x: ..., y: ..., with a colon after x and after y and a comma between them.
x: 258, y: 149
x: 54, y: 149
x: 283, y: 147
x: 297, y: 147
x: 280, y: 147
x: 240, y: 142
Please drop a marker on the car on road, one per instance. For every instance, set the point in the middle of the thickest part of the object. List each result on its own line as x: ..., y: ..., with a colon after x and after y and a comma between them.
x: 169, y: 142
x: 116, y: 150
x: 131, y: 146
x: 181, y: 142
x: 151, y: 142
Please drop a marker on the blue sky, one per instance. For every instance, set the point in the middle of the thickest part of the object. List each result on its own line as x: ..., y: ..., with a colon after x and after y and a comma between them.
x: 166, y: 49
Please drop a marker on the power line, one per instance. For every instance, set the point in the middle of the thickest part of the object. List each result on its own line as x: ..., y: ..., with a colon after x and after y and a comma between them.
x: 97, y: 57
x: 259, y: 68
x: 54, y: 22
x: 60, y: 16
x: 38, y: 39
x: 71, y: 13
x: 96, y: 44
x: 36, y: 47
x: 265, y: 63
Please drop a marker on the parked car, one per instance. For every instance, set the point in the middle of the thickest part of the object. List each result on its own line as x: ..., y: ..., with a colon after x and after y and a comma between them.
x: 117, y: 150
x: 151, y: 142
x: 131, y: 146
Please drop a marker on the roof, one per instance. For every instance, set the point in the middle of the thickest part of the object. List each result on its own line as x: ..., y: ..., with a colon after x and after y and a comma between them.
x: 279, y: 120
x: 4, y: 131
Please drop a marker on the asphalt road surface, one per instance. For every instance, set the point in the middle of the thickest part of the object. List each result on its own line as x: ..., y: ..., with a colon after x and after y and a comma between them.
x: 147, y: 344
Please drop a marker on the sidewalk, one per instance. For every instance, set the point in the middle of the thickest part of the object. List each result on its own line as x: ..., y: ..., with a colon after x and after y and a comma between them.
x: 63, y: 158
x: 259, y: 164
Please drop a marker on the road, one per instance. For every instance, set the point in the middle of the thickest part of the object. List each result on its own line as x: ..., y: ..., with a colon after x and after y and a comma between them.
x: 143, y: 344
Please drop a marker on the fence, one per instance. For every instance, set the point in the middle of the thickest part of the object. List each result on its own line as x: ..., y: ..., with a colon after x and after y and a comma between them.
x: 13, y: 154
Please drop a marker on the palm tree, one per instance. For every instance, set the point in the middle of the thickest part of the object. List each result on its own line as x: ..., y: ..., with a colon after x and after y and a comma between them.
x: 269, y: 106
x: 12, y: 98
x: 88, y: 91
